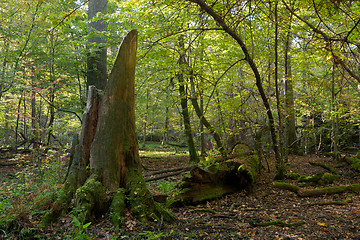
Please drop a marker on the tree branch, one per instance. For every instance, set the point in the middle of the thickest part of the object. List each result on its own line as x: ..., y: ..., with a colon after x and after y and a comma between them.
x: 328, y: 39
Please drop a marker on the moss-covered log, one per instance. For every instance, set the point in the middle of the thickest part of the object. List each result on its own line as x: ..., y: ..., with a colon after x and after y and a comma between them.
x: 329, y: 190
x: 354, y: 162
x: 327, y: 167
x: 317, y: 191
x: 219, y: 179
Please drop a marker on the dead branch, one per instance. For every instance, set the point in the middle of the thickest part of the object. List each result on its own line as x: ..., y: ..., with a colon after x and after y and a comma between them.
x: 165, y: 176
x: 170, y: 170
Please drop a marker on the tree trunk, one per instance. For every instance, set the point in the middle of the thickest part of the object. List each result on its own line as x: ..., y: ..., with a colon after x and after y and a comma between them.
x: 204, y: 121
x: 97, y: 58
x: 34, y: 128
x: 146, y: 118
x: 280, y: 166
x: 291, y: 142
x: 202, y: 134
x: 113, y: 154
x: 184, y: 106
x: 166, y: 127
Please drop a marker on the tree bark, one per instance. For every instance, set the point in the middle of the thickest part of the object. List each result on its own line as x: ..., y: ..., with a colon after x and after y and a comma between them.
x: 113, y: 155
x: 281, y: 164
x: 97, y: 58
x: 184, y: 105
x: 289, y: 97
x: 204, y: 121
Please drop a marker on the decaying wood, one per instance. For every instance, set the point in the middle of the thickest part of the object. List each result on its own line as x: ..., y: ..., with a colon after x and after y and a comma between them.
x: 219, y: 179
x: 109, y: 146
x: 165, y: 176
x: 330, y: 169
x: 317, y: 191
x: 169, y: 170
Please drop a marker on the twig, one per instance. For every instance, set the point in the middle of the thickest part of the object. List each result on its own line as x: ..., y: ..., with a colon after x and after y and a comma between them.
x: 277, y: 223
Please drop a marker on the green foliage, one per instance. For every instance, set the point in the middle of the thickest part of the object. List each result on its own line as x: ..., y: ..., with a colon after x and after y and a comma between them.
x: 79, y: 228
x: 210, y: 160
x: 27, y: 195
x: 151, y: 235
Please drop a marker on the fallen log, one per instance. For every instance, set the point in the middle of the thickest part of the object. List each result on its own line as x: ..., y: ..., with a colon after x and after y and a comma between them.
x: 354, y: 162
x: 165, y: 176
x: 169, y: 170
x: 329, y: 190
x: 219, y: 179
x: 330, y: 169
x: 317, y: 191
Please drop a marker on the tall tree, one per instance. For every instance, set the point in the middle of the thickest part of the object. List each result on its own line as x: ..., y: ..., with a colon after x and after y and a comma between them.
x: 97, y: 58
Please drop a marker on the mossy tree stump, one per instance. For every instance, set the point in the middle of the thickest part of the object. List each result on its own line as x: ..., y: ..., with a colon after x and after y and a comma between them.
x: 108, y: 147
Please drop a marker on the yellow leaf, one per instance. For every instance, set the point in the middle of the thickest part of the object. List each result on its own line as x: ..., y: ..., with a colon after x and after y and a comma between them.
x: 321, y: 224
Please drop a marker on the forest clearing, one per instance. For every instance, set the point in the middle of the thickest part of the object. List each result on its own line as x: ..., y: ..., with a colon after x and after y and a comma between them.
x: 193, y: 119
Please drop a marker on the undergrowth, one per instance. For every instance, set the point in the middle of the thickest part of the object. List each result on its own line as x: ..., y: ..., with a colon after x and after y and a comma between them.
x: 26, y: 195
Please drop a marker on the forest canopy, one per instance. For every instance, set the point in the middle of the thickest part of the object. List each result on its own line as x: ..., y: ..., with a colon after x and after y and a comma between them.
x: 306, y: 54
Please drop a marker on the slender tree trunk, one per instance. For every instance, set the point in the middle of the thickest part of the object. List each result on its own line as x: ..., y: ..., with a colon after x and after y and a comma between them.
x: 334, y: 125
x: 18, y: 119
x: 283, y: 155
x: 202, y: 133
x: 184, y: 105
x: 52, y: 91
x: 204, y: 121
x: 97, y: 58
x: 166, y: 126
x: 25, y: 116
x: 34, y: 128
x: 146, y: 118
x: 291, y: 138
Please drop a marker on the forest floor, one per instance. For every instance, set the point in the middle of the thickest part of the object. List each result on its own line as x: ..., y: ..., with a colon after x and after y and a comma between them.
x: 232, y: 216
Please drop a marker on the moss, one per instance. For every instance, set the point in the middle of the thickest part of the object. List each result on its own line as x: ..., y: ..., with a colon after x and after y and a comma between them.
x: 328, y: 178
x: 330, y: 190
x: 287, y: 186
x: 62, y: 202
x: 141, y: 201
x: 311, y: 179
x: 117, y: 208
x: 354, y: 162
x: 91, y: 199
x: 293, y: 175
